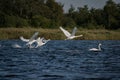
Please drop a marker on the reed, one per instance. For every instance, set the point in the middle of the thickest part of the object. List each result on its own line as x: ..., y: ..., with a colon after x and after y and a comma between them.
x: 57, y: 34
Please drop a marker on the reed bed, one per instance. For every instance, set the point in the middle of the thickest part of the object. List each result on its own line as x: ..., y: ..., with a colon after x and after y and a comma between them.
x: 57, y: 34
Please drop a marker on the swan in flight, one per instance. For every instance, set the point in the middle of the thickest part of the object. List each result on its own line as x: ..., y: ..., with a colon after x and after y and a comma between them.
x: 68, y: 35
x: 95, y: 49
x: 31, y: 40
x: 41, y: 41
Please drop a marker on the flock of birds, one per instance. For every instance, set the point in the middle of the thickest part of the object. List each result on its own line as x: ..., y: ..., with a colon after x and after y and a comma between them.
x: 42, y: 41
x: 33, y: 39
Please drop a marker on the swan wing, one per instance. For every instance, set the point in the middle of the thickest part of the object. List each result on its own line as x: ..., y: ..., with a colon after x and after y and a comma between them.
x: 74, y: 31
x: 67, y: 34
x: 34, y: 36
x: 79, y: 36
x: 39, y: 40
x: 93, y: 49
x: 45, y: 41
x: 23, y: 39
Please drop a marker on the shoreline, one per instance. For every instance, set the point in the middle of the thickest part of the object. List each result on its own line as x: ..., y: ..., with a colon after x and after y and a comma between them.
x: 57, y: 34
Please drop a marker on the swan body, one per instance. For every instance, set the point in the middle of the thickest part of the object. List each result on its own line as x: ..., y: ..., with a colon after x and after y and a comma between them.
x: 68, y: 35
x: 29, y: 44
x: 96, y: 49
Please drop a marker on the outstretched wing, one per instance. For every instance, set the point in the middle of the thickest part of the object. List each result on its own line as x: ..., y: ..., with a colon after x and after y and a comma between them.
x: 74, y: 31
x: 23, y: 39
x: 34, y: 36
x: 39, y: 41
x: 67, y: 34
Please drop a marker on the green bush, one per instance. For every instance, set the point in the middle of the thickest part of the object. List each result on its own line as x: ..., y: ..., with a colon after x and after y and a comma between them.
x: 20, y: 22
x: 2, y: 19
x: 68, y: 22
x: 13, y: 21
x: 40, y: 21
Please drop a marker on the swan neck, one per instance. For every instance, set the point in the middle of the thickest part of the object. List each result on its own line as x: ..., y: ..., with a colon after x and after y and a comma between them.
x: 99, y: 47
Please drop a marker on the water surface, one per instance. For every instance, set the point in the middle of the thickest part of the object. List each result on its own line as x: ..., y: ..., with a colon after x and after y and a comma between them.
x: 60, y: 60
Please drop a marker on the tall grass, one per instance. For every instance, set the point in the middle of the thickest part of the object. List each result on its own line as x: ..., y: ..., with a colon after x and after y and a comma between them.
x: 57, y: 34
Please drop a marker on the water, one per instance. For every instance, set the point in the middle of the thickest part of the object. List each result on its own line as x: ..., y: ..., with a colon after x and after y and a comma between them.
x: 60, y: 60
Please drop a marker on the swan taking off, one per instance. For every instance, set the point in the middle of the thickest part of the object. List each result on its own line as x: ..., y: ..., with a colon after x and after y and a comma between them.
x: 41, y: 41
x: 68, y: 35
x: 31, y: 40
x: 95, y: 49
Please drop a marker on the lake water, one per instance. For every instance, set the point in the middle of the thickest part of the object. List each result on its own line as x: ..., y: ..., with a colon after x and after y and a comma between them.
x: 60, y: 60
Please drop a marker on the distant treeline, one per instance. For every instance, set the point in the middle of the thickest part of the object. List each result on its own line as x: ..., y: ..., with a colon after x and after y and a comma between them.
x: 50, y: 14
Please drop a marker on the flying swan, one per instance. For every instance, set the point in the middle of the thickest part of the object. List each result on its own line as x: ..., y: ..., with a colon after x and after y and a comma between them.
x: 95, y: 49
x: 68, y: 35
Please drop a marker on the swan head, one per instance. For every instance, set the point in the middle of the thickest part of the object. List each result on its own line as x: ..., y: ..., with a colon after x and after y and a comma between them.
x: 100, y: 44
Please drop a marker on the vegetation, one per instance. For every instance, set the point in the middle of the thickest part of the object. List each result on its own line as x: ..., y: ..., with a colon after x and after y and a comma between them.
x: 49, y: 14
x: 56, y: 34
x: 24, y: 17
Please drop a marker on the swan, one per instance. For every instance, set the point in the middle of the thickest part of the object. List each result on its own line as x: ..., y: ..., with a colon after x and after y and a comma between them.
x: 16, y: 46
x: 41, y: 41
x: 68, y: 35
x: 31, y: 40
x: 95, y: 49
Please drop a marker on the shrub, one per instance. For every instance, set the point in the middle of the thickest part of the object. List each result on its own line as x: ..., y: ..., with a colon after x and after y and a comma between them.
x: 13, y: 21
x: 40, y: 21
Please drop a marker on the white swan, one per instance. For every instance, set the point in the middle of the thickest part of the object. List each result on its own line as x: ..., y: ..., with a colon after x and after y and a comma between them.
x: 31, y: 40
x: 16, y: 46
x: 41, y: 41
x: 95, y: 49
x: 68, y: 35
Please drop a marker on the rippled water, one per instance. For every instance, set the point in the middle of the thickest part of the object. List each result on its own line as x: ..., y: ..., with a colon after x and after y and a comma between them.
x: 60, y: 60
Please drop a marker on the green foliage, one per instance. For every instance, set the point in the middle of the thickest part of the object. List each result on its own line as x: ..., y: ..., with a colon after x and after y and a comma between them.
x: 49, y: 14
x: 108, y: 17
x: 112, y: 12
x: 40, y: 21
x: 14, y: 21
x: 68, y: 22
x: 71, y: 10
x: 35, y: 13
x: 2, y: 19
x: 10, y: 21
x: 20, y: 22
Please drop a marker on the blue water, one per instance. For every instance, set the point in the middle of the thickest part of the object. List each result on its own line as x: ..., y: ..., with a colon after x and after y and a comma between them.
x: 60, y: 60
